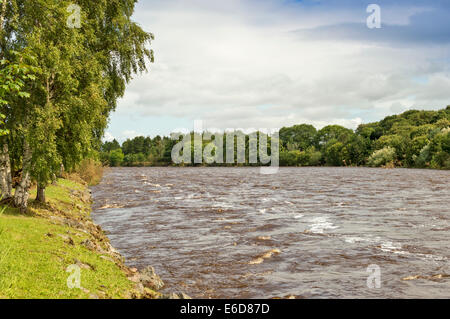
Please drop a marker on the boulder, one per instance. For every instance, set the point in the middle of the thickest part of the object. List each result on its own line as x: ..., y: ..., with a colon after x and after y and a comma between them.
x: 89, y: 244
x: 182, y: 295
x: 83, y: 265
x: 150, y: 279
x: 136, y: 278
x: 172, y: 295
x: 139, y: 287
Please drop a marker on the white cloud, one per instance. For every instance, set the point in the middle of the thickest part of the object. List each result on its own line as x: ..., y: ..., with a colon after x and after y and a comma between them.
x: 108, y: 137
x: 129, y: 135
x: 237, y: 64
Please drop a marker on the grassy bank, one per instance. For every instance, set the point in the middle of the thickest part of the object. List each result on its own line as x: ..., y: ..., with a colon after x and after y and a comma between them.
x: 36, y: 250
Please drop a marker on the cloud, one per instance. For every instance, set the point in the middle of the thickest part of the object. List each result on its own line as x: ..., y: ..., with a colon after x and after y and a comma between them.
x: 268, y: 64
x: 108, y: 137
x: 425, y: 27
x: 130, y: 134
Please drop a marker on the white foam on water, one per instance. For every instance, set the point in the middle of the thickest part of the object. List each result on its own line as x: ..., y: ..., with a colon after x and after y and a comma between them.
x: 433, y: 257
x: 389, y: 246
x: 223, y: 205
x: 395, y: 248
x: 354, y: 240
x: 320, y: 224
x: 298, y: 216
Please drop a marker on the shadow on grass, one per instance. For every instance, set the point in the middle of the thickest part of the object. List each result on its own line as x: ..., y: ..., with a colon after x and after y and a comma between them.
x: 7, y: 209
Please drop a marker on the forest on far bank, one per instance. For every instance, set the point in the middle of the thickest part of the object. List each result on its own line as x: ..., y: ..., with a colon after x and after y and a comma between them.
x: 413, y: 139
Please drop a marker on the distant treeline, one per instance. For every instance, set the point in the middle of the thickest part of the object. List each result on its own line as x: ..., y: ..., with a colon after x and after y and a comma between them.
x: 418, y: 139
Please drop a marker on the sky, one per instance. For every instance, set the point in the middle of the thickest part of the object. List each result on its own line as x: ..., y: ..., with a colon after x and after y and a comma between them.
x: 265, y: 64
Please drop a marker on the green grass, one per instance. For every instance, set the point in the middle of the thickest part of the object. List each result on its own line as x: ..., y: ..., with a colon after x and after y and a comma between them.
x: 34, y: 253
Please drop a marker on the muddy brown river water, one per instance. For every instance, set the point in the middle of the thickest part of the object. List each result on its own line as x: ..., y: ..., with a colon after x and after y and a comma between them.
x: 304, y: 232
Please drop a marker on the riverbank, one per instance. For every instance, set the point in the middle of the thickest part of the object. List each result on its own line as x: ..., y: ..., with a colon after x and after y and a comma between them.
x: 42, y: 251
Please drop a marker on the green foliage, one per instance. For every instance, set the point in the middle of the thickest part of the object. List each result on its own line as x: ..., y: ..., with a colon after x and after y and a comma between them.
x: 382, y: 157
x: 309, y: 157
x: 116, y: 157
x: 414, y: 151
x: 315, y: 156
x: 110, y: 146
x: 71, y: 84
x: 298, y: 137
x: 290, y: 158
x: 440, y: 149
x: 13, y: 77
x: 358, y: 149
x: 335, y: 153
x: 397, y: 142
x: 417, y: 138
x: 333, y: 132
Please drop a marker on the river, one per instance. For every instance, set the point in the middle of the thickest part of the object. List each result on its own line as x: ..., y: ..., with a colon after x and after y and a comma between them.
x: 301, y: 233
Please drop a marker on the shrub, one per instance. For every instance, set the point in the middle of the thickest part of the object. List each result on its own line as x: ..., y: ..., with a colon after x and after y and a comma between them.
x: 315, y: 159
x: 90, y: 171
x: 335, y: 154
x: 289, y: 158
x: 116, y: 157
x: 383, y: 157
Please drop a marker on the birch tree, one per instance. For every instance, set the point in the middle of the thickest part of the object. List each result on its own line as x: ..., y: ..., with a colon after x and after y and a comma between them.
x: 83, y: 71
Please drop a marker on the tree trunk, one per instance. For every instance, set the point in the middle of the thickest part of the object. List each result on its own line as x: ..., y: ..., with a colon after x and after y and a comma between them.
x: 3, y: 14
x: 40, y: 196
x: 61, y: 171
x: 5, y: 173
x: 22, y: 189
x: 5, y: 163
